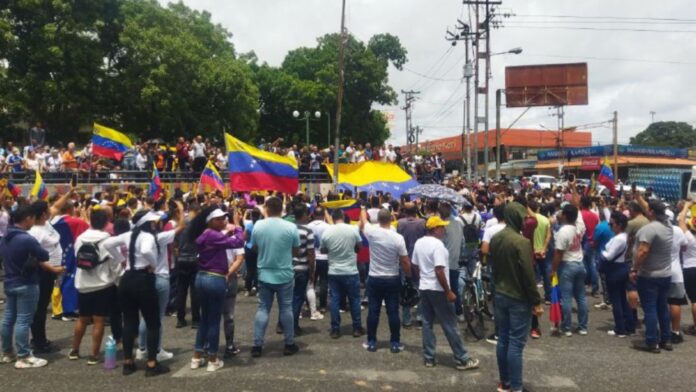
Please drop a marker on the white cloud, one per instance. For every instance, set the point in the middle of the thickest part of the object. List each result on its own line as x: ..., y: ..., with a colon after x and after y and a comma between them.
x: 272, y: 27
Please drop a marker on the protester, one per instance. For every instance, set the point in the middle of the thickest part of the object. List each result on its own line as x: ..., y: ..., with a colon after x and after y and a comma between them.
x: 615, y: 268
x: 516, y: 295
x: 342, y: 243
x: 187, y: 270
x: 22, y: 257
x: 412, y: 228
x: 689, y: 258
x: 431, y: 261
x: 387, y: 254
x: 321, y: 274
x: 276, y: 241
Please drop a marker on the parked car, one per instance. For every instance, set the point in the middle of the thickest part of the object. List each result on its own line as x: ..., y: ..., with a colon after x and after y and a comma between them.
x: 545, y: 182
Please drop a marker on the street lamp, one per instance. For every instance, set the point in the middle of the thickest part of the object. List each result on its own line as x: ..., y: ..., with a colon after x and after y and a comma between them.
x: 511, y: 51
x: 306, y: 118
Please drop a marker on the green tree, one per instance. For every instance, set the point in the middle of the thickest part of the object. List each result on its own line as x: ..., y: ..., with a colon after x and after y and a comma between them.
x: 666, y: 134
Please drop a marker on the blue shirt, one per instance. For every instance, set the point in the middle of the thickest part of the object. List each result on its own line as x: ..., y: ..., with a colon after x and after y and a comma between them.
x: 15, y: 248
x: 249, y: 228
x: 274, y: 239
x: 602, y: 235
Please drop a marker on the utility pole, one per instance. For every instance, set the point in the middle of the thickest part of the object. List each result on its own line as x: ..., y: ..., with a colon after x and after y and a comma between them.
x: 560, y: 114
x: 417, y: 131
x: 487, y: 27
x: 464, y: 35
x: 615, y: 129
x: 498, y: 98
x: 410, y: 137
x: 339, y: 96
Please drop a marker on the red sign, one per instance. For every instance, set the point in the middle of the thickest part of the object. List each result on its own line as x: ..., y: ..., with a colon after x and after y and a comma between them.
x: 546, y: 85
x: 591, y: 164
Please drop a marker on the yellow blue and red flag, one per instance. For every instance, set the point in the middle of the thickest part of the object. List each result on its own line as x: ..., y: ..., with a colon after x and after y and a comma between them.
x: 39, y: 190
x: 252, y: 169
x: 155, y: 190
x: 606, y: 177
x: 350, y: 207
x: 109, y: 143
x: 555, y: 310
x: 373, y: 176
x: 211, y: 179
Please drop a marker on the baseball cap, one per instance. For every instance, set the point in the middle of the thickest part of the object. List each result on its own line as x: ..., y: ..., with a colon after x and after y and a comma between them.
x: 435, y: 221
x: 217, y: 213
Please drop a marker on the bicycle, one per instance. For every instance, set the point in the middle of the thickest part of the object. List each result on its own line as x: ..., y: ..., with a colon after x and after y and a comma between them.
x: 476, y: 296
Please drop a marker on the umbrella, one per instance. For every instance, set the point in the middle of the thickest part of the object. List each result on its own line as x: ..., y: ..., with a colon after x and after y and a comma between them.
x: 439, y: 192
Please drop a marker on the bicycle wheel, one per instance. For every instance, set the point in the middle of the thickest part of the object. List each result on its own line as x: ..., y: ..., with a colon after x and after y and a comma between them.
x: 474, y: 316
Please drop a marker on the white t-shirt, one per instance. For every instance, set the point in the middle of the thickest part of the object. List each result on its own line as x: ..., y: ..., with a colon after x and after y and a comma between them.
x: 49, y: 239
x: 490, y: 223
x: 386, y: 246
x: 569, y: 240
x: 198, y: 150
x: 491, y: 231
x: 53, y: 163
x: 146, y: 254
x: 678, y: 241
x: 163, y: 239
x: 232, y: 254
x: 372, y: 214
x: 616, y: 245
x: 690, y: 252
x: 428, y: 253
x: 318, y: 227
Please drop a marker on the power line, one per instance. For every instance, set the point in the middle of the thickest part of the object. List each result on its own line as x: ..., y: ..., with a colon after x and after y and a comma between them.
x: 628, y: 22
x: 675, y: 62
x: 430, y: 77
x: 604, y: 17
x: 436, y: 65
x: 597, y: 29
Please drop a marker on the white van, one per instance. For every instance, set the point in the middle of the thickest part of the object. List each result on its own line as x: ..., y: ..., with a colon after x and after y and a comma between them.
x: 545, y: 182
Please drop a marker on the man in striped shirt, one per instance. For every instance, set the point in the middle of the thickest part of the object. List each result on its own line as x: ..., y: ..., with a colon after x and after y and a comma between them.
x: 303, y: 265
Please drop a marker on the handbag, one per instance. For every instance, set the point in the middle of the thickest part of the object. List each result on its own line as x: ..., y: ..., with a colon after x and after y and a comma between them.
x: 603, y: 264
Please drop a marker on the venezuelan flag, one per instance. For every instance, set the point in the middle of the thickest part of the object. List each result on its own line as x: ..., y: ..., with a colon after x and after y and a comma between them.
x: 155, y: 190
x: 252, y: 169
x: 110, y: 143
x: 350, y: 207
x: 555, y: 311
x: 211, y: 179
x: 39, y: 190
x: 9, y: 188
x: 590, y: 190
x: 606, y: 177
x: 373, y: 176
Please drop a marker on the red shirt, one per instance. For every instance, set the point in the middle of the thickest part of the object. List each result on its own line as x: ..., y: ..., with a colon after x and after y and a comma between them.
x: 591, y: 221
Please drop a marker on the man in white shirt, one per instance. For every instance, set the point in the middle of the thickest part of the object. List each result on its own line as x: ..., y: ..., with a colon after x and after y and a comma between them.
x: 387, y: 253
x: 318, y: 226
x: 53, y: 161
x: 567, y: 261
x: 431, y: 259
x: 199, y: 156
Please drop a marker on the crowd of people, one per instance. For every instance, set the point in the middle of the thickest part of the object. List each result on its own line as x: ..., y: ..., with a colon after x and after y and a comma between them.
x: 192, y: 155
x: 123, y: 259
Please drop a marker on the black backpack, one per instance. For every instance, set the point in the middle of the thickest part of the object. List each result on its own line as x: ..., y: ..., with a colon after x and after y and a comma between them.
x: 88, y: 256
x: 471, y: 231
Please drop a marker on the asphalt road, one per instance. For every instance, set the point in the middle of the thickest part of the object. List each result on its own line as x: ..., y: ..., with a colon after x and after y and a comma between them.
x: 596, y: 362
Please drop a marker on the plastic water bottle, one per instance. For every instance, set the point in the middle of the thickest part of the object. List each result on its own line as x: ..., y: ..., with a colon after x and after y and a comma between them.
x: 110, y: 353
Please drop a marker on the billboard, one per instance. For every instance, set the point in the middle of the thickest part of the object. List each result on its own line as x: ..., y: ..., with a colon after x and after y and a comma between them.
x: 546, y: 85
x: 607, y: 150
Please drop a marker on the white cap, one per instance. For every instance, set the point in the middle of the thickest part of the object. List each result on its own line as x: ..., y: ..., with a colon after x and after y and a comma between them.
x: 215, y: 214
x: 150, y: 216
x: 669, y: 214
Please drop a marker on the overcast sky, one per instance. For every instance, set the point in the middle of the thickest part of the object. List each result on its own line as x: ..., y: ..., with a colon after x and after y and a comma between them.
x: 632, y: 72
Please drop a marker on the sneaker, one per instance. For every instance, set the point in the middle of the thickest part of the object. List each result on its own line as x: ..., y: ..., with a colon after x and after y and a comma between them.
x: 469, y: 364
x: 291, y: 349
x: 92, y: 360
x: 181, y: 324
x: 691, y: 330
x: 213, y: 366
x: 252, y: 292
x: 299, y: 331
x: 406, y: 325
x: 164, y: 355
x: 666, y: 346
x: 582, y: 332
x: 461, y: 318
x: 429, y: 363
x: 279, y: 330
x: 503, y: 388
x: 67, y: 318
x: 642, y: 346
x: 57, y: 317
x: 73, y: 355
x: 197, y: 363
x: 7, y: 358
x: 397, y: 348
x: 335, y: 334
x: 358, y: 332
x: 30, y: 362
x: 231, y: 352
x: 129, y: 368
x: 535, y: 334
x: 568, y: 334
x: 156, y: 370
x: 371, y: 347
x: 611, y: 332
x: 256, y: 351
x: 140, y: 354
x: 316, y: 316
x: 677, y: 337
x: 492, y: 339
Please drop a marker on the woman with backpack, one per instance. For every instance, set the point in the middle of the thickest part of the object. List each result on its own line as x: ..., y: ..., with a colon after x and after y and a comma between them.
x: 613, y: 265
x: 95, y: 281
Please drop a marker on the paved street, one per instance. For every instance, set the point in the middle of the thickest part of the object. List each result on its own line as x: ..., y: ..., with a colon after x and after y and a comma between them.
x: 593, y: 363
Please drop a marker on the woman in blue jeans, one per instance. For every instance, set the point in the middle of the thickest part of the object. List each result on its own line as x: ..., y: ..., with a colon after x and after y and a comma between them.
x: 211, y: 281
x: 616, y: 272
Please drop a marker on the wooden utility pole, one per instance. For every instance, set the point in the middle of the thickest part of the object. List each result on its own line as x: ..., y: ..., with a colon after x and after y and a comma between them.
x: 615, y: 126
x: 339, y: 97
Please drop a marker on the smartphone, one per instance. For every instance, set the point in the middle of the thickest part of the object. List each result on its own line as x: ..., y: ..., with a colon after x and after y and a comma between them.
x: 73, y: 180
x: 633, y: 187
x: 571, y: 177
